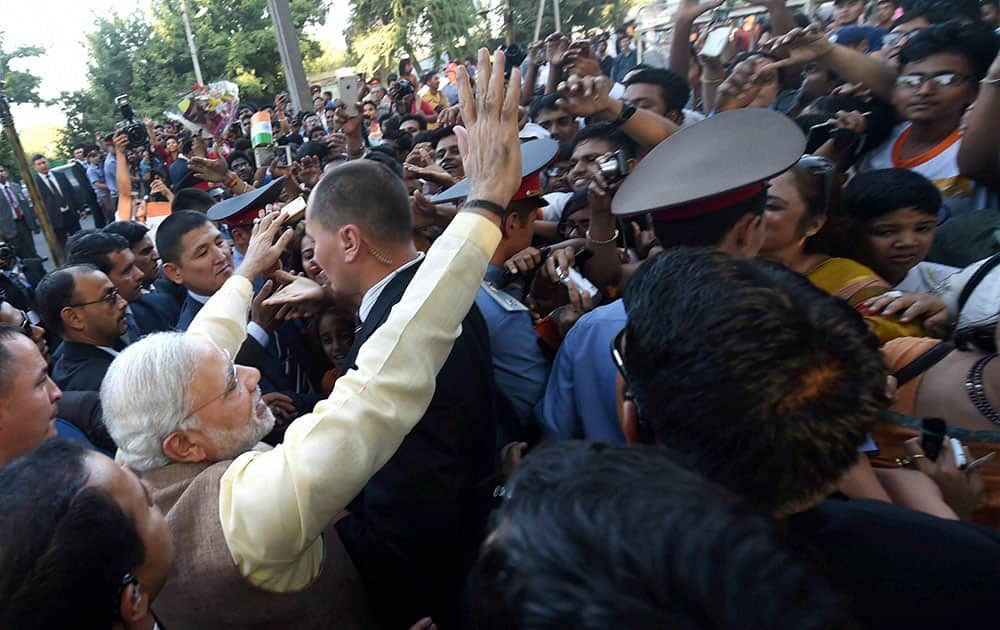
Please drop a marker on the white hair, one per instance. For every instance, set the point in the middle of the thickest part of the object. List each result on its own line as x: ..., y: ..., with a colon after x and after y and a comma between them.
x: 147, y: 395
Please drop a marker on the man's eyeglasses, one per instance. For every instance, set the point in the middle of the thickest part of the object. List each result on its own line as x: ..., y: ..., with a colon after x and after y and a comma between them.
x: 25, y: 325
x: 618, y: 355
x: 231, y: 384
x: 567, y: 228
x: 820, y: 166
x: 916, y: 80
x: 110, y: 299
x: 556, y: 171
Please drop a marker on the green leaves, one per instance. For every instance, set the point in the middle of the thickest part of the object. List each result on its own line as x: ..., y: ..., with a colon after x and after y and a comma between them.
x: 22, y: 85
x: 148, y: 58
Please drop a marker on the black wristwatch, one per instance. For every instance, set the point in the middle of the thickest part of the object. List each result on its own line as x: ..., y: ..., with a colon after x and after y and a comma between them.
x: 495, y: 208
x: 628, y: 110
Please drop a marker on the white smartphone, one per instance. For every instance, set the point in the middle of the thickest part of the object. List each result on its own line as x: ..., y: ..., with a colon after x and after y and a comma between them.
x: 582, y: 284
x: 715, y: 43
x: 350, y: 87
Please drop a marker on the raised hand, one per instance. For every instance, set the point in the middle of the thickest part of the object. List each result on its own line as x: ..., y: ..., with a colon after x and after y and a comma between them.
x: 310, y: 171
x: 556, y: 46
x: 586, y: 96
x: 209, y: 169
x: 689, y: 10
x: 800, y: 46
x: 263, y: 251
x: 491, y: 152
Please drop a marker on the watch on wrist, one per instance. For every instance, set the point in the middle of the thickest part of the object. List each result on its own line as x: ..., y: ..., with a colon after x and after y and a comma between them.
x: 628, y: 110
x: 495, y: 208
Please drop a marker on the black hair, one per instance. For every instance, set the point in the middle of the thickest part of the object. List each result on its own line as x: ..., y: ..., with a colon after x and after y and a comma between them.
x: 594, y: 536
x: 131, y: 231
x: 365, y: 193
x: 93, y: 247
x: 239, y: 155
x: 389, y: 161
x: 440, y: 134
x: 975, y: 41
x: 419, y: 120
x: 67, y: 545
x: 609, y: 133
x: 402, y: 65
x: 427, y: 76
x: 36, y: 157
x: 872, y: 194
x: 746, y: 366
x: 172, y: 230
x: 940, y: 11
x: 424, y: 136
x: 674, y: 87
x: 708, y: 230
x: 192, y: 199
x: 55, y: 292
x: 546, y: 102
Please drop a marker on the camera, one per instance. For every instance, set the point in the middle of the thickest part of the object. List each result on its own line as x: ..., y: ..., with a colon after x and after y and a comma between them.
x: 135, y: 130
x: 614, y: 168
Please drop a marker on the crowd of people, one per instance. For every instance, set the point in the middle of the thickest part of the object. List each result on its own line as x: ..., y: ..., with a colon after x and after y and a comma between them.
x: 551, y: 338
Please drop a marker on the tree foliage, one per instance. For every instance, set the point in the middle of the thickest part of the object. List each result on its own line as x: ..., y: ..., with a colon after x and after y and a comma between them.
x: 22, y: 87
x: 575, y: 16
x: 148, y: 58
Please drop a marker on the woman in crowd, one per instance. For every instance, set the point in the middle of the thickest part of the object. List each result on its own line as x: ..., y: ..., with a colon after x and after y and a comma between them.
x: 959, y: 382
x: 798, y: 203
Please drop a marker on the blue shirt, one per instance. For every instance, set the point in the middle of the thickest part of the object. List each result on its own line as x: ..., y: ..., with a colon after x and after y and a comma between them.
x: 579, y: 401
x: 68, y: 431
x: 110, y: 171
x: 520, y: 368
x: 96, y: 174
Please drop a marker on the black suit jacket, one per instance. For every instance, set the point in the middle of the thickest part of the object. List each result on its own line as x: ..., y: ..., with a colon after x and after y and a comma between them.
x: 415, y: 529
x: 67, y: 221
x: 81, y: 367
x: 152, y: 313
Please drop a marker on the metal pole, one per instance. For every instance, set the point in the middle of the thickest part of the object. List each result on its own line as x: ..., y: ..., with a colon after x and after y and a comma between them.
x: 508, y: 21
x: 7, y: 120
x: 556, y: 16
x: 291, y: 54
x: 191, y: 46
x: 538, y: 21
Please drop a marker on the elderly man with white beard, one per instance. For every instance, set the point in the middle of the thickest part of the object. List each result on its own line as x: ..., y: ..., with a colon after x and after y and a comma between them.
x: 253, y: 527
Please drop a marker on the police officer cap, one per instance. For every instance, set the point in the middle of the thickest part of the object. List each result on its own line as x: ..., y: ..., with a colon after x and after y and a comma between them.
x: 711, y: 165
x: 535, y: 155
x: 243, y: 209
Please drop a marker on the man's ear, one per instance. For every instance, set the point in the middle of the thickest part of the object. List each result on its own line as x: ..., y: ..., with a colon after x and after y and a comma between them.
x: 510, y: 222
x: 134, y: 604
x: 186, y: 446
x: 630, y: 422
x: 351, y: 242
x: 70, y: 318
x: 173, y: 273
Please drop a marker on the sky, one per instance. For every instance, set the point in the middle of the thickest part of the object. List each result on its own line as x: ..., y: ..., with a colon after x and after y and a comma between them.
x: 60, y: 26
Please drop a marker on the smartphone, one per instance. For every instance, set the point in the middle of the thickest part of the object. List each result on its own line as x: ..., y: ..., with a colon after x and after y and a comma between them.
x: 932, y: 434
x: 582, y: 284
x: 285, y: 155
x: 294, y: 210
x: 350, y: 89
x: 715, y: 43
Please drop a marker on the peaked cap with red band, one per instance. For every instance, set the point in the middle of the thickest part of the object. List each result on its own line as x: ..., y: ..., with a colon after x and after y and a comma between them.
x: 711, y: 165
x: 243, y: 209
x: 535, y: 156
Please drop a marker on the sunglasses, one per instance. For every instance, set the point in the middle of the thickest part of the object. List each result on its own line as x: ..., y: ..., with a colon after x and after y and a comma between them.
x: 916, y: 80
x: 818, y: 165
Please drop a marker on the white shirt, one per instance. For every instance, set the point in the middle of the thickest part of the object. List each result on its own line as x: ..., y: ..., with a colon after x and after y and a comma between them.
x: 960, y: 194
x: 371, y: 295
x: 981, y: 307
x: 254, y: 329
x: 926, y: 277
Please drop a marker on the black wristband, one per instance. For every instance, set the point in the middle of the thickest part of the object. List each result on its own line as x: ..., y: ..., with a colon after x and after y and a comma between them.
x: 495, y: 208
x: 628, y: 110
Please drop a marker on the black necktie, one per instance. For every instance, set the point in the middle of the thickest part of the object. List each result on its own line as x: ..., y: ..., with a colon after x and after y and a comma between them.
x: 56, y: 191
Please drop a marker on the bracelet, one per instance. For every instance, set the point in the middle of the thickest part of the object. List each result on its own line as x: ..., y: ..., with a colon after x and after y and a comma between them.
x: 712, y: 81
x: 613, y: 238
x: 990, y: 82
x: 628, y: 110
x: 232, y: 181
x: 495, y: 208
